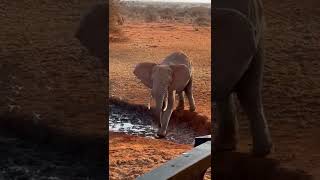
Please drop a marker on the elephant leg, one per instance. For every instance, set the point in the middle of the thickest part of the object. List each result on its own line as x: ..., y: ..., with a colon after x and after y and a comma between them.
x: 165, y: 118
x: 249, y: 93
x: 225, y: 131
x: 259, y: 128
x: 181, y: 101
x: 189, y: 94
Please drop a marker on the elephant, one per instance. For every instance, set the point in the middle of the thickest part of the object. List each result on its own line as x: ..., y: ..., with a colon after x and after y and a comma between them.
x: 93, y: 31
x: 172, y: 76
x: 238, y: 60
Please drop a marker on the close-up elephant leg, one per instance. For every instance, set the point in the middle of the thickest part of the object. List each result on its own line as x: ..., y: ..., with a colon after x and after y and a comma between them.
x: 225, y: 132
x: 165, y: 118
x: 181, y: 101
x: 250, y: 98
x: 189, y: 94
x: 259, y: 127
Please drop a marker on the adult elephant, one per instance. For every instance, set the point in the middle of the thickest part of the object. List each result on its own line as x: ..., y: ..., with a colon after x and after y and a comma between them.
x: 173, y: 74
x: 238, y: 55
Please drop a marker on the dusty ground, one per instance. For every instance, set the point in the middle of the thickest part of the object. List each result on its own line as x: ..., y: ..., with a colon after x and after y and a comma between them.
x: 132, y: 156
x: 44, y: 80
x: 152, y: 42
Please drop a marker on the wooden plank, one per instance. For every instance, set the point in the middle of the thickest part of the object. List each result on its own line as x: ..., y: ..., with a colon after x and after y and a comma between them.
x: 201, y: 139
x: 189, y: 165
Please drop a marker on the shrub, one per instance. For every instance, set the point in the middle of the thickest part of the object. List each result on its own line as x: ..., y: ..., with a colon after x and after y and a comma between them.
x: 114, y: 16
x: 201, y: 21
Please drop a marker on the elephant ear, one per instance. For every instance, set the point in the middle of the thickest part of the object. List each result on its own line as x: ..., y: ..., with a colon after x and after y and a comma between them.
x: 92, y: 31
x: 180, y: 77
x: 143, y: 71
x: 233, y: 48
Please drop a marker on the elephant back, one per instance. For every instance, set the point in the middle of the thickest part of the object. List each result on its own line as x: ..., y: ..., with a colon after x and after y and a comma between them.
x: 252, y: 9
x: 237, y: 33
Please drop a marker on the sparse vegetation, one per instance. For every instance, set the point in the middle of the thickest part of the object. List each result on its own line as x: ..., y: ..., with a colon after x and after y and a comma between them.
x: 114, y: 17
x: 166, y: 12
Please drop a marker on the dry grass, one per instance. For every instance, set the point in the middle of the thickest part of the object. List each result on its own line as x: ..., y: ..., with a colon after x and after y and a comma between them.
x: 165, y: 13
x: 114, y: 17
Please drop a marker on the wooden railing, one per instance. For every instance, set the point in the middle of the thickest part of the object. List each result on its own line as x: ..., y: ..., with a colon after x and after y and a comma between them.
x: 191, y: 165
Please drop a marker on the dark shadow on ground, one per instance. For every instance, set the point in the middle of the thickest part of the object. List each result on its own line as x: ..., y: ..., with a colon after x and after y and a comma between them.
x: 193, y: 120
x: 135, y: 119
x: 30, y: 150
x: 241, y: 166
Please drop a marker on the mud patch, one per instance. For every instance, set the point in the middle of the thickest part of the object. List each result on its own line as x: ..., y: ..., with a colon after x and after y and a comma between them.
x: 37, y: 151
x: 138, y: 120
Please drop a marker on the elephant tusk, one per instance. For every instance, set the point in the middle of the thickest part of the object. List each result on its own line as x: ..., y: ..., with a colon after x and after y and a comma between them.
x: 149, y: 103
x: 165, y: 104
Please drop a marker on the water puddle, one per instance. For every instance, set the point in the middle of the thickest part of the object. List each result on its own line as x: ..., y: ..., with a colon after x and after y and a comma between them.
x: 130, y: 122
x: 139, y: 121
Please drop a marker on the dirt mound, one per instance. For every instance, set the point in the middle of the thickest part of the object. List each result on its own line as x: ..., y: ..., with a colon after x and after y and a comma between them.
x: 193, y: 120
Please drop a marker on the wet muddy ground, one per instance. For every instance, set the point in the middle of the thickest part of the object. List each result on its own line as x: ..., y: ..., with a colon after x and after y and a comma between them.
x: 30, y: 160
x: 37, y: 151
x: 138, y: 120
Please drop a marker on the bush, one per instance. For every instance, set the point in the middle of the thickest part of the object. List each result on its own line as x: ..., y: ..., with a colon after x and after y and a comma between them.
x: 114, y: 16
x: 201, y: 21
x: 151, y: 16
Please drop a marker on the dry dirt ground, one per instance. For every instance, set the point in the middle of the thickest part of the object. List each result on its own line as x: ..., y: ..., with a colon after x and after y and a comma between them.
x: 151, y: 42
x: 44, y: 78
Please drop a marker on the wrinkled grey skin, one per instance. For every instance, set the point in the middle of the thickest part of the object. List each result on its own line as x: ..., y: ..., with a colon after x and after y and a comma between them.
x: 173, y: 74
x: 93, y: 31
x: 238, y: 55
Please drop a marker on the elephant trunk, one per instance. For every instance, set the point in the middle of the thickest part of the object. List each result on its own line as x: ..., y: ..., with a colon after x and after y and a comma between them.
x: 161, y: 104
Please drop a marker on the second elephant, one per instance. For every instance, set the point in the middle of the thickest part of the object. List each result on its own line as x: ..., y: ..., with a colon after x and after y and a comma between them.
x: 173, y: 74
x: 238, y: 52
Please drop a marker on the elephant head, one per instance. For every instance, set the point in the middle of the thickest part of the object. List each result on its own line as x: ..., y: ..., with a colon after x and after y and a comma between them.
x: 162, y: 79
x: 93, y: 31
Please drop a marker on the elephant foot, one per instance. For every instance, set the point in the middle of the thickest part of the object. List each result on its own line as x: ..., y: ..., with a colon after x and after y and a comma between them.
x: 160, y: 136
x: 180, y: 107
x: 221, y: 146
x: 262, y: 151
x: 192, y: 109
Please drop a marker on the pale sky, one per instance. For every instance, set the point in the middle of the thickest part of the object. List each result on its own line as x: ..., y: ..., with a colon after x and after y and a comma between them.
x: 187, y: 1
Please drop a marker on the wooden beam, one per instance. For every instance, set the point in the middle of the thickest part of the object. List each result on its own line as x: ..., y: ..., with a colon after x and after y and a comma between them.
x: 189, y: 165
x: 201, y: 139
